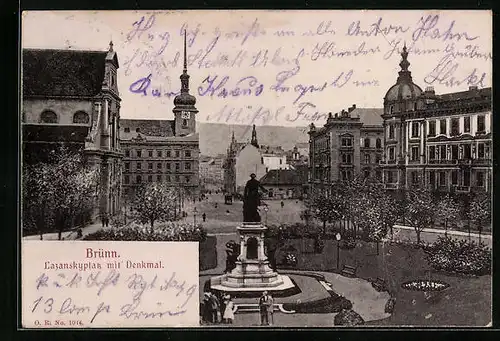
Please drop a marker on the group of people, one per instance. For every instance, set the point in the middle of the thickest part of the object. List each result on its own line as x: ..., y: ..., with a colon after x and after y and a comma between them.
x: 214, y: 309
x: 217, y: 309
x: 104, y: 220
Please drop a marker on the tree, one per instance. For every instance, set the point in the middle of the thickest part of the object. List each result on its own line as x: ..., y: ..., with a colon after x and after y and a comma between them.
x: 449, y: 209
x: 36, y: 198
x: 480, y: 212
x: 155, y: 202
x: 58, y: 191
x: 325, y: 210
x: 420, y: 210
x: 75, y: 187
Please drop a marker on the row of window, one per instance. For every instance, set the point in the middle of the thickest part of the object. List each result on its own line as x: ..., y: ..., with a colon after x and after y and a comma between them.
x: 159, y: 153
x: 346, y: 141
x: 159, y: 178
x: 456, y: 152
x: 159, y: 165
x: 367, y: 143
x: 443, y: 127
x: 48, y: 116
x: 440, y: 178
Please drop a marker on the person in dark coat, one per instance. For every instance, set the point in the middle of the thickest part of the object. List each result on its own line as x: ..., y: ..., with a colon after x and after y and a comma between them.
x: 251, y: 200
x: 204, y: 216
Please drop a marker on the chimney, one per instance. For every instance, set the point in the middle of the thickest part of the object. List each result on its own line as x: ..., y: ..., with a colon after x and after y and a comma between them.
x: 352, y: 108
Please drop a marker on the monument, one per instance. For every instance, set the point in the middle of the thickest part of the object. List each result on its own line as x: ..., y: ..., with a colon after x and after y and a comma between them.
x: 253, y: 271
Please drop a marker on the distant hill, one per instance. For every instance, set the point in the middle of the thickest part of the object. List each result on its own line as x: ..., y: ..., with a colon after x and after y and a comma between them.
x: 215, y: 137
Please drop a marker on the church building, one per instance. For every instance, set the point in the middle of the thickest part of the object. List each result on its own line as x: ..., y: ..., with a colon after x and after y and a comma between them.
x: 70, y: 98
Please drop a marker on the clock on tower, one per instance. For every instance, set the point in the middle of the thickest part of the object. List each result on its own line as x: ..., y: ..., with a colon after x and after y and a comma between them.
x: 185, y: 115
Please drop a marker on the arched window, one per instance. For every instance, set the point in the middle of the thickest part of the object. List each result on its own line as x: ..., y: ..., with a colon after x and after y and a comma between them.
x: 415, y: 106
x: 391, y: 109
x: 48, y: 117
x: 367, y: 143
x: 379, y: 143
x: 81, y: 117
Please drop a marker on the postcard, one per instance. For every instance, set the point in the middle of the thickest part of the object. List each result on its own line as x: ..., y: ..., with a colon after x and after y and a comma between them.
x: 256, y: 168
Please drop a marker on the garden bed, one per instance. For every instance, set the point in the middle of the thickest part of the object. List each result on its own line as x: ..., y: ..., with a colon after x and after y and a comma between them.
x: 333, y: 304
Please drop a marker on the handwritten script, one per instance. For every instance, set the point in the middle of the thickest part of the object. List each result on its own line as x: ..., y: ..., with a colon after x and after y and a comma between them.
x: 123, y: 284
x: 301, y: 64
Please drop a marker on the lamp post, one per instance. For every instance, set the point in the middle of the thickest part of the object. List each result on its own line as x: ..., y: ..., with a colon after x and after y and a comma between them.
x: 338, y: 237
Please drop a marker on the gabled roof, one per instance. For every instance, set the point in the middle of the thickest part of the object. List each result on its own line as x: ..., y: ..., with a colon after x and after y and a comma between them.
x: 48, y: 72
x: 369, y: 116
x: 147, y: 128
x: 281, y: 177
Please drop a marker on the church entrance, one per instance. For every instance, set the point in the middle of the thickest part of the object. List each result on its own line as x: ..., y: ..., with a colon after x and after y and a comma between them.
x: 252, y: 245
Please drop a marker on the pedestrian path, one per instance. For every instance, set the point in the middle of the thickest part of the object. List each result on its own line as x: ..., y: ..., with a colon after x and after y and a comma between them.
x: 441, y: 231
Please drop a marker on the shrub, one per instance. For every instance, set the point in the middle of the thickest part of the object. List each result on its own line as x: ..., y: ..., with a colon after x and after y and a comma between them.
x: 333, y: 304
x: 290, y: 259
x: 348, y: 244
x: 459, y: 256
x: 389, y: 305
x: 348, y: 318
x: 163, y: 232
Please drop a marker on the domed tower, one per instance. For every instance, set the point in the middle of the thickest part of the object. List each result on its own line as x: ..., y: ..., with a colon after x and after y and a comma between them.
x: 184, y: 104
x: 403, y: 95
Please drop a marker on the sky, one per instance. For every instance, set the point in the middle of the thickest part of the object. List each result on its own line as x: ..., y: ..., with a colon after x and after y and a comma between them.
x: 286, y: 68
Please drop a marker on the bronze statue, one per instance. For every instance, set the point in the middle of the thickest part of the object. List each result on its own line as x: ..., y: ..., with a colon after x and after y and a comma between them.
x: 251, y: 200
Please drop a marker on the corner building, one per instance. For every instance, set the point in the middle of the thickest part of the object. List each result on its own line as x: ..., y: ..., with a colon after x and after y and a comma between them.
x: 349, y: 145
x: 440, y: 142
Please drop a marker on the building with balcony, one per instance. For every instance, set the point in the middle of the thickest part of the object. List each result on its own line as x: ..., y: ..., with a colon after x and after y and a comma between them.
x: 164, y: 150
x: 349, y: 145
x: 440, y: 142
x: 70, y: 98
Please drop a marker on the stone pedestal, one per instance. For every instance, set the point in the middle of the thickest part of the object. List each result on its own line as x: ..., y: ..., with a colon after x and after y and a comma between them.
x: 252, y: 272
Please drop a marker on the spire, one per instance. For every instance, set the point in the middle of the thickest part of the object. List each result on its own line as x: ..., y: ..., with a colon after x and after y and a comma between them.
x: 254, y: 137
x: 185, y: 76
x: 233, y: 139
x: 404, y: 74
x: 110, y: 46
x: 404, y: 62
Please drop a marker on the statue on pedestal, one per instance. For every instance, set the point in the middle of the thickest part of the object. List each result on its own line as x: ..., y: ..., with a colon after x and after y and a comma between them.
x: 251, y: 200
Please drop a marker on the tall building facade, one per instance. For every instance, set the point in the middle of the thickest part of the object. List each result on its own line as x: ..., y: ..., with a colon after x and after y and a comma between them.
x: 349, y: 145
x: 71, y: 98
x: 441, y: 142
x: 164, y: 150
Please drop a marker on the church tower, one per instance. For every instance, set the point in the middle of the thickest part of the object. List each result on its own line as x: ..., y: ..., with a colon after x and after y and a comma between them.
x: 254, y: 138
x: 184, y: 104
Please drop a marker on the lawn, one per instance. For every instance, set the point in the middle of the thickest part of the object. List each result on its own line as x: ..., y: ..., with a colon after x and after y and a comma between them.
x: 467, y: 302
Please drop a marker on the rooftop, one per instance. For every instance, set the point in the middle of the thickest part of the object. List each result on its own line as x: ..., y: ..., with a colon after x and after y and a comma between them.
x: 74, y: 73
x: 282, y: 177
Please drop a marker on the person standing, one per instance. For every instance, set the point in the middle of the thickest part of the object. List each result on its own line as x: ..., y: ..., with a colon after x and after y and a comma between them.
x: 103, y: 220
x: 204, y: 216
x: 264, y: 309
x: 214, y: 308
x: 270, y: 309
x: 229, y: 310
